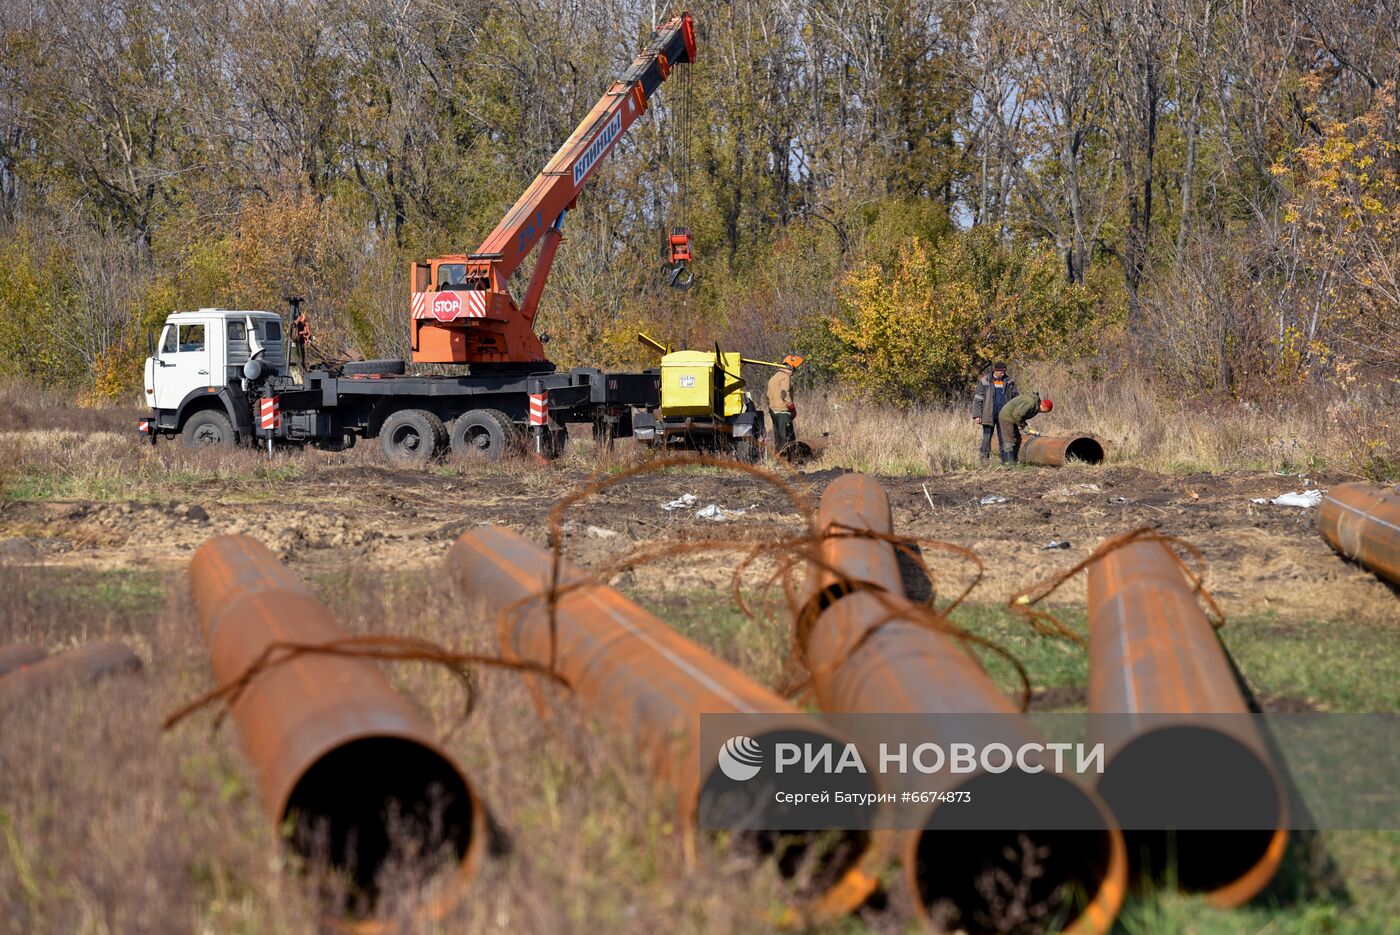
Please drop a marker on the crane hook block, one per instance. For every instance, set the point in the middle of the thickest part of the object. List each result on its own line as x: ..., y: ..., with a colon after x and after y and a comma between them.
x: 680, y: 245
x: 680, y: 277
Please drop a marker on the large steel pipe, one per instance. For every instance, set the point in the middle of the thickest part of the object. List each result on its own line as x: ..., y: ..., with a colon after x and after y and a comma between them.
x: 905, y: 668
x: 338, y: 754
x: 1056, y: 451
x: 851, y: 505
x: 650, y: 685
x: 1362, y: 521
x: 78, y: 666
x: 1152, y: 652
x: 17, y: 656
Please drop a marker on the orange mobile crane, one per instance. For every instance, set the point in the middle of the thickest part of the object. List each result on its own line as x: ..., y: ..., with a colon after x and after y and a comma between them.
x: 462, y: 308
x: 218, y: 376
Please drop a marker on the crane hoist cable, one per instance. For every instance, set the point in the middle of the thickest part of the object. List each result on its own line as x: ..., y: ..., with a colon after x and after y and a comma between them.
x: 679, y: 275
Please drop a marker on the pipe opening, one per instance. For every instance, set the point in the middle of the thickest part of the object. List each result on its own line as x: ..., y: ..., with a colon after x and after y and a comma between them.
x: 814, y: 861
x: 1239, y: 784
x: 376, y: 800
x: 978, y: 880
x: 1085, y: 449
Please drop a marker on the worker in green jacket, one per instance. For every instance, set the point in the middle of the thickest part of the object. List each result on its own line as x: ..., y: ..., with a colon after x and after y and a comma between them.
x: 1014, y: 417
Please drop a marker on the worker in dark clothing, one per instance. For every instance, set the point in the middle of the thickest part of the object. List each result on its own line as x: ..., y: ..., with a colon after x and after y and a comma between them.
x: 1013, y: 420
x: 781, y: 407
x: 993, y: 391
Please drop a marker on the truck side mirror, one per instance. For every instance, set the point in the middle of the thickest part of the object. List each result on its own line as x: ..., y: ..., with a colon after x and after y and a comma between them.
x: 151, y: 343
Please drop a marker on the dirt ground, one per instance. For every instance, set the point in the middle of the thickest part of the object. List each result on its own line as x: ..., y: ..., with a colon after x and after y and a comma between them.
x: 1261, y: 558
x: 370, y: 538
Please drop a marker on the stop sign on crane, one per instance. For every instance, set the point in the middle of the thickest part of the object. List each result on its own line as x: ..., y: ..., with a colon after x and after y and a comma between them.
x: 447, y: 306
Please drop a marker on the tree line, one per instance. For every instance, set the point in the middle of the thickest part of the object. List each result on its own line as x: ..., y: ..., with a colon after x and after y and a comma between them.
x: 904, y: 188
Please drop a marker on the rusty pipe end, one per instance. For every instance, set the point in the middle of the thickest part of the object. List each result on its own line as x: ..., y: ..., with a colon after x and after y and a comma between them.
x: 1080, y: 872
x: 1228, y: 867
x: 347, y: 768
x: 1056, y: 451
x: 358, y: 801
x: 837, y: 870
x: 1362, y: 522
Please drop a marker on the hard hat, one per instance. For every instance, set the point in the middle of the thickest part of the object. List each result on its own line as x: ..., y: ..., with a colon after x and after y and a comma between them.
x: 793, y: 360
x: 1046, y: 405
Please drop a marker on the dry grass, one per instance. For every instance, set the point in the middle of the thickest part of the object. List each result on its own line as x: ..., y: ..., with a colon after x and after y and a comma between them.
x: 96, y: 454
x: 1145, y: 427
x: 108, y: 825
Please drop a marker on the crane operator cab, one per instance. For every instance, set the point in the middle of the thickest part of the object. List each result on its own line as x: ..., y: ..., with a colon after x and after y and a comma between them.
x: 451, y: 276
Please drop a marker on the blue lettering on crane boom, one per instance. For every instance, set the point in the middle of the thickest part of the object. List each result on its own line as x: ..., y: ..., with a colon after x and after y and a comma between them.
x: 597, y: 149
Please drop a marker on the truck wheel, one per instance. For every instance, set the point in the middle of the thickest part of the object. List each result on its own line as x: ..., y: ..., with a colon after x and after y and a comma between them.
x: 207, y: 428
x: 384, y: 367
x: 411, y: 436
x: 484, y: 434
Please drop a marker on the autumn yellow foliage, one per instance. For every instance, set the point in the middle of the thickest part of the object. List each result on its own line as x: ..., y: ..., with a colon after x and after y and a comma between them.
x: 1345, y: 219
x: 924, y: 320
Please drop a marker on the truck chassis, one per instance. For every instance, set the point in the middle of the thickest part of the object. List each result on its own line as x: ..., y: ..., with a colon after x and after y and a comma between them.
x: 418, y: 418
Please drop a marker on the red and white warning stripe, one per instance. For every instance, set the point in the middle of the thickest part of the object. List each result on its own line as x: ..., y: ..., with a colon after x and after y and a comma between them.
x: 451, y: 305
x: 269, y: 412
x: 539, y: 408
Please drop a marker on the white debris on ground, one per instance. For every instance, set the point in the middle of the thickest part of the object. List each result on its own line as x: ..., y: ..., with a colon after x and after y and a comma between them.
x: 716, y: 512
x: 711, y: 511
x: 990, y: 499
x: 1307, y: 499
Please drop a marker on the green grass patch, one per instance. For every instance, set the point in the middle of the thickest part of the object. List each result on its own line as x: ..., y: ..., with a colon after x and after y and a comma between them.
x: 1331, y: 882
x: 1332, y: 665
x: 146, y: 482
x: 1335, y: 665
x: 1049, y: 662
x: 758, y: 647
x: 123, y: 591
x: 1339, y: 882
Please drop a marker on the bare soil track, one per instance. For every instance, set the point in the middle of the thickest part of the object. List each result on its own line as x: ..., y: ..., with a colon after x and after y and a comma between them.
x: 1260, y: 558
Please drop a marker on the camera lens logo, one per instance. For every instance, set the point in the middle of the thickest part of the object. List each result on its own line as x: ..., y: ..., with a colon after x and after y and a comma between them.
x: 740, y: 758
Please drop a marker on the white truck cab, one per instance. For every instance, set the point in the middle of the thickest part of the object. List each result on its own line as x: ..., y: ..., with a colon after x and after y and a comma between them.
x: 198, y: 359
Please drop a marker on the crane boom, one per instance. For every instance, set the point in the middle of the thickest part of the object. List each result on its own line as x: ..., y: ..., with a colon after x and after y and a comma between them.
x: 462, y: 309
